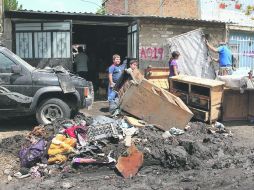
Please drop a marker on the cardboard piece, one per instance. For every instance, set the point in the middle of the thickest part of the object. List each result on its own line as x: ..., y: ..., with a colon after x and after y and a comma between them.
x: 153, y: 105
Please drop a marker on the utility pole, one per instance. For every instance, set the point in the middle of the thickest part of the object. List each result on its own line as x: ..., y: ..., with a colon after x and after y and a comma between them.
x: 1, y: 16
x: 126, y: 7
x: 161, y: 7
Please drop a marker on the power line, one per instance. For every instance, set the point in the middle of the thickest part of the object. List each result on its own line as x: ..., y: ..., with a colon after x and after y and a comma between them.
x: 85, y: 1
x: 162, y: 3
x: 105, y: 1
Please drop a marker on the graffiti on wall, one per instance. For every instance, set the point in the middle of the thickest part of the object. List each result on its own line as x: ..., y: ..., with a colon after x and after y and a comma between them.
x: 151, y: 53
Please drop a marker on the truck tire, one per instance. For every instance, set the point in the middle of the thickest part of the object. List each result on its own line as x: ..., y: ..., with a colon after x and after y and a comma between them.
x: 52, y: 109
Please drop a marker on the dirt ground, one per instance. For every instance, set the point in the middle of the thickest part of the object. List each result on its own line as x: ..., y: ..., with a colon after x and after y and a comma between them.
x: 194, y: 160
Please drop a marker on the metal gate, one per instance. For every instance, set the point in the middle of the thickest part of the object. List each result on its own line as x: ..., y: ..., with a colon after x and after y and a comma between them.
x: 242, y: 46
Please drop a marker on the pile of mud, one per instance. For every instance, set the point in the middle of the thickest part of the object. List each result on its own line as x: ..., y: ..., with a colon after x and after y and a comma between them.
x: 194, y: 156
x: 12, y: 144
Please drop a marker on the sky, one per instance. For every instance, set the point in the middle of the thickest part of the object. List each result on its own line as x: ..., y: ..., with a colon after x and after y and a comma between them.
x: 62, y: 5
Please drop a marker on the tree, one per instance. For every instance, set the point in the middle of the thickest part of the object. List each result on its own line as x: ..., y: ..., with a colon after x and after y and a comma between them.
x: 101, y: 10
x: 12, y: 5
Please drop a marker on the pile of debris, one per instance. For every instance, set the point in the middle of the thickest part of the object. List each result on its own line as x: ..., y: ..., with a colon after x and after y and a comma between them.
x: 125, y: 144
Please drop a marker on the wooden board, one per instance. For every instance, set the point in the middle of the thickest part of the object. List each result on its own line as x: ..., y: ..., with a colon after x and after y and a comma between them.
x: 235, y: 105
x: 198, y: 81
x: 251, y: 105
x: 215, y: 113
x: 157, y: 73
x: 199, y: 101
x: 161, y: 109
x: 216, y: 95
x: 161, y: 83
x: 134, y: 122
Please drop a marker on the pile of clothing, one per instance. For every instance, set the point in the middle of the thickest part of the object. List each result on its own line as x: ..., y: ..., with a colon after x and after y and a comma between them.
x: 81, y: 141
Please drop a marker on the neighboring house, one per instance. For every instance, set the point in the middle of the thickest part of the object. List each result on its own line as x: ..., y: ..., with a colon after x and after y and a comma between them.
x: 241, y: 32
x: 167, y: 8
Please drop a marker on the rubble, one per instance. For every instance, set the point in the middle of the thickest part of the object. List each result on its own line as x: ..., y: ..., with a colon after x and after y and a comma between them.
x: 197, y: 149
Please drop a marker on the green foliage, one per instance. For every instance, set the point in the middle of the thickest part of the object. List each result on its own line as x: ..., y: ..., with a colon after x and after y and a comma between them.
x: 12, y: 5
x: 101, y: 11
x: 249, y: 10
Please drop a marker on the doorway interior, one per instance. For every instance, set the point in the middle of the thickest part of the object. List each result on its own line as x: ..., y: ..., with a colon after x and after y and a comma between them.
x: 101, y: 42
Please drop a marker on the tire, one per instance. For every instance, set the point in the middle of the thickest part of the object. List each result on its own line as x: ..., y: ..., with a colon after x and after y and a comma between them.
x: 52, y: 109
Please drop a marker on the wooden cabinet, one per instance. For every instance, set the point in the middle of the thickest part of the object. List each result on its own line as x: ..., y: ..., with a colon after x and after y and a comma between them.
x: 237, y: 105
x: 202, y: 96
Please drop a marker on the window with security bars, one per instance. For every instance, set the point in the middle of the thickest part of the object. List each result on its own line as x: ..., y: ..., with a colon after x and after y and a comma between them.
x: 132, y: 41
x: 43, y: 40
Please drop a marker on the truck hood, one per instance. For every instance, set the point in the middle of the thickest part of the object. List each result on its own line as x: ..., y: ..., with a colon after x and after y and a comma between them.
x: 55, y: 76
x: 44, y: 77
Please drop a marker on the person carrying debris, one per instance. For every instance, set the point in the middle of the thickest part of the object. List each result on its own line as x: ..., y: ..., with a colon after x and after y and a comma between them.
x: 173, y: 67
x: 225, y: 58
x: 80, y: 62
x: 133, y: 64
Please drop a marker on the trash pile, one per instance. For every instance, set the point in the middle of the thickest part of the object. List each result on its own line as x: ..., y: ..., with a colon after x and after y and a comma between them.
x: 123, y: 144
x: 81, y: 141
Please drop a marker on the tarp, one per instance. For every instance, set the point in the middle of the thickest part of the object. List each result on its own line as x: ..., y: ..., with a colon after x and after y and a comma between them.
x: 194, y: 59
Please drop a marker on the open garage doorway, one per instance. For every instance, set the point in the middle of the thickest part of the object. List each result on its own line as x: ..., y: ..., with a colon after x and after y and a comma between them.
x: 100, y: 42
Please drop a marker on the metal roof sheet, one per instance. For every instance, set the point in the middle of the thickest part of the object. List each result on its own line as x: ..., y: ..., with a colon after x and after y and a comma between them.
x: 9, y: 13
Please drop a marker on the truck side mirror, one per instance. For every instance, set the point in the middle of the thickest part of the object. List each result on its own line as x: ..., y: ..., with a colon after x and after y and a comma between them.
x: 16, y: 69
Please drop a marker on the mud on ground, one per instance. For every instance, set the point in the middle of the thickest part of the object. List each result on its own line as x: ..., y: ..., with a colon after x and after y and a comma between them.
x: 194, y: 160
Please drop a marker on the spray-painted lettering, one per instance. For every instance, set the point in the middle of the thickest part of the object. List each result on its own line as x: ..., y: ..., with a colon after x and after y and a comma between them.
x: 151, y: 53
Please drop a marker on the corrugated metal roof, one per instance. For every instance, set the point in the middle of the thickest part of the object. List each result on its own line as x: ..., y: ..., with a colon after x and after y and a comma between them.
x: 8, y: 13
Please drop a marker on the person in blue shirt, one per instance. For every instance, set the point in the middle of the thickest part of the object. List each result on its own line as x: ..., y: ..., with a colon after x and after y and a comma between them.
x: 114, y: 73
x: 225, y: 58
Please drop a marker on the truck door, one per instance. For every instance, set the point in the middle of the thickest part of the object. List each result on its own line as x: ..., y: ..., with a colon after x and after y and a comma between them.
x: 14, y: 87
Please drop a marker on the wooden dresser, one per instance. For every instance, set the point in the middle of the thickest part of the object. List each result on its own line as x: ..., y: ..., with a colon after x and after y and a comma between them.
x: 202, y: 96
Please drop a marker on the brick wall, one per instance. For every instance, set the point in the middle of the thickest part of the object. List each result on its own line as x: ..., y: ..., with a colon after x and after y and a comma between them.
x: 153, y: 37
x: 170, y: 8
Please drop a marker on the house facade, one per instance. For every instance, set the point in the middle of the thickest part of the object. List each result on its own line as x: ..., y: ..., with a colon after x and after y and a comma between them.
x: 163, y: 8
x: 46, y: 38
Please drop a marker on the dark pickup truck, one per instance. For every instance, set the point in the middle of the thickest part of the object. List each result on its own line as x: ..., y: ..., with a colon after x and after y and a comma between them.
x: 48, y: 93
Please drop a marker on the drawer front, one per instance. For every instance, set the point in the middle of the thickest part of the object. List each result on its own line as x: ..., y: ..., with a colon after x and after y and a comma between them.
x: 200, y: 114
x: 182, y: 96
x: 199, y: 102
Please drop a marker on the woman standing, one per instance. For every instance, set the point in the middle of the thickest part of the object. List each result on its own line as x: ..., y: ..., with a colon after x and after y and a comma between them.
x: 173, y: 67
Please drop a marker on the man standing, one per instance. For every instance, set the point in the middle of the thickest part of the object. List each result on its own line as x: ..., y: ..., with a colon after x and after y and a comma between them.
x: 114, y: 73
x: 225, y: 58
x: 81, y: 63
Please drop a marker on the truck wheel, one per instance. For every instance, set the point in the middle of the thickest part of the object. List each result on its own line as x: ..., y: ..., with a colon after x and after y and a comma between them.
x: 51, y: 110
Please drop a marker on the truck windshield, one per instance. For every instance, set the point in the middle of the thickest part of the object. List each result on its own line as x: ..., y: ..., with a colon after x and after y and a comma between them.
x: 28, y: 66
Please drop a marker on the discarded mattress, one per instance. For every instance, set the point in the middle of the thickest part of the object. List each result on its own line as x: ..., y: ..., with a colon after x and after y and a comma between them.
x: 194, y: 59
x: 237, y: 82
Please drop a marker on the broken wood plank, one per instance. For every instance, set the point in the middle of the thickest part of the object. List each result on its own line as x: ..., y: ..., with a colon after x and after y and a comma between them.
x: 135, y: 122
x: 200, y: 114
